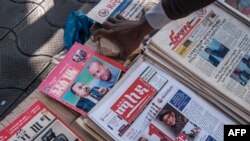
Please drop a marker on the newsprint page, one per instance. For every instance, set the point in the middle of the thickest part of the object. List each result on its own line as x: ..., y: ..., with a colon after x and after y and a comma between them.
x: 150, y: 104
x: 215, y: 47
x: 38, y: 123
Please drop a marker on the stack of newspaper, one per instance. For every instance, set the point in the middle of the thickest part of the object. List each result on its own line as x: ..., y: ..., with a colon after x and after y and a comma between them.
x: 211, y: 48
x: 38, y: 123
x: 192, y: 79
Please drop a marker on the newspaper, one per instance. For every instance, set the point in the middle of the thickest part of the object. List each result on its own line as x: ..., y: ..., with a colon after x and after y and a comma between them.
x: 150, y: 104
x: 215, y: 47
x: 92, y: 133
x: 239, y: 7
x: 129, y: 9
x: 82, y: 78
x: 37, y: 123
x: 197, y: 85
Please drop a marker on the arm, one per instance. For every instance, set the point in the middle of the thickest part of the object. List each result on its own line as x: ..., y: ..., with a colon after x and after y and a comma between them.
x: 168, y: 10
x: 176, y: 9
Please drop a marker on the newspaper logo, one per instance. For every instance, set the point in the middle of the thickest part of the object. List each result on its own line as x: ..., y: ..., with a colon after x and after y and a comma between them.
x: 177, y: 37
x: 103, y: 13
x: 63, y: 82
x: 133, y: 100
x: 113, y: 4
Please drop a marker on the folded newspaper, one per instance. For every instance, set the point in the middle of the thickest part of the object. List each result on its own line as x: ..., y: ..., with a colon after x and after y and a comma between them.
x: 213, y: 47
x: 38, y: 123
x: 147, y: 103
x: 82, y: 78
x: 129, y: 9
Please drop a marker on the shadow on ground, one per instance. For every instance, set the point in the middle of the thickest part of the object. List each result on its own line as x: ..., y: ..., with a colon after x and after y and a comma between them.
x: 31, y: 33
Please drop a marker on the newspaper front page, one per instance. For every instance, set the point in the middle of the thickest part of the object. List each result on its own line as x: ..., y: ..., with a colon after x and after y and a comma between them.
x: 214, y: 46
x: 77, y: 82
x: 129, y: 9
x: 38, y: 123
x: 150, y: 104
x: 198, y: 86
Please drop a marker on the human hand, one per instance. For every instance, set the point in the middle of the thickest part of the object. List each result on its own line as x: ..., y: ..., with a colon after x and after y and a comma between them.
x: 103, y: 90
x: 126, y: 34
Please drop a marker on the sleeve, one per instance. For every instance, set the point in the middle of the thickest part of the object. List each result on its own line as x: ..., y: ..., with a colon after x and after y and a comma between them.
x: 168, y: 10
x: 176, y: 9
x: 157, y: 17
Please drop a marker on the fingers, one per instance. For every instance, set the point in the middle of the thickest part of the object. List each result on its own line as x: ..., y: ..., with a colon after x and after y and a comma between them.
x: 120, y: 17
x: 111, y: 25
x: 113, y: 20
x: 116, y: 19
x: 107, y: 25
x: 100, y: 33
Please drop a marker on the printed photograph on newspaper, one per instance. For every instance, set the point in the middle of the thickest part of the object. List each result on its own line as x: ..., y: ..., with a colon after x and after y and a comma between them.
x: 214, y: 52
x: 151, y: 105
x: 82, y: 78
x: 171, y: 125
x: 241, y: 73
x: 37, y: 123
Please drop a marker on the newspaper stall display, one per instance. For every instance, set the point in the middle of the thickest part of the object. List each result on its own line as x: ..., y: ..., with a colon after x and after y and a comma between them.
x: 213, y: 46
x: 150, y: 104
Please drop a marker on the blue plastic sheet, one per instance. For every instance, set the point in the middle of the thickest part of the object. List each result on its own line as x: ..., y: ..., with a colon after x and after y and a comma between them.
x: 77, y: 29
